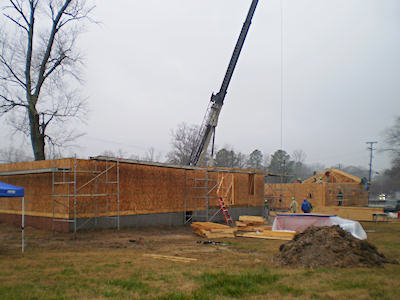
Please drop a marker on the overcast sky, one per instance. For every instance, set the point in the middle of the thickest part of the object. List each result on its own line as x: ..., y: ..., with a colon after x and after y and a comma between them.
x: 154, y: 64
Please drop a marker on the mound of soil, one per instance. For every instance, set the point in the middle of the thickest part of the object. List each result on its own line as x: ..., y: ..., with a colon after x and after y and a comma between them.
x: 329, y: 246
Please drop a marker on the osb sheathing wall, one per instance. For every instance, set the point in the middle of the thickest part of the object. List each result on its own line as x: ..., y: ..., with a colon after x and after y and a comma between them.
x: 38, y: 189
x: 319, y: 194
x: 143, y: 189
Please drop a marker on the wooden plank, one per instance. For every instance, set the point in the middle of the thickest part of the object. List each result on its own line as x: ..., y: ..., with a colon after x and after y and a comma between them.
x: 209, y: 225
x: 172, y: 258
x: 278, y: 233
x: 217, y: 235
x: 252, y: 219
x: 261, y: 236
x: 223, y: 230
x: 255, y: 228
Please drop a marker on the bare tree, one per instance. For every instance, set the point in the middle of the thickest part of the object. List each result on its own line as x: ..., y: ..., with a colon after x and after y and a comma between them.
x: 299, y: 170
x: 393, y: 138
x: 152, y: 156
x: 183, y: 142
x: 109, y: 153
x: 11, y: 154
x: 40, y: 68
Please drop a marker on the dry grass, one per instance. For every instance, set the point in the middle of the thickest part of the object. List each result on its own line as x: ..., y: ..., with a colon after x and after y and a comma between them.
x: 106, y: 264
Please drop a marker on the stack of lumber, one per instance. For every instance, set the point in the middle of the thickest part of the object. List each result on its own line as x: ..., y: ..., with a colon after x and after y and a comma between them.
x: 213, y: 230
x: 255, y: 227
x: 252, y: 223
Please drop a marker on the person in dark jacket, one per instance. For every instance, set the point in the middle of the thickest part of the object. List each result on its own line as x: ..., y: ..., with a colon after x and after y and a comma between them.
x: 306, y: 206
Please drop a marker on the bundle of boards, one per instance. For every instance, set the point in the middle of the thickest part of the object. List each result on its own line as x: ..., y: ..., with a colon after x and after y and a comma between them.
x: 247, y: 226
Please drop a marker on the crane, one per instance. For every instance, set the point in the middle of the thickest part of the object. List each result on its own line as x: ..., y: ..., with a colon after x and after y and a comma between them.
x: 207, y: 128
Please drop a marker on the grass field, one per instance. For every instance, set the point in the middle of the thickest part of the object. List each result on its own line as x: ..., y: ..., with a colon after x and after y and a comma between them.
x: 111, y: 265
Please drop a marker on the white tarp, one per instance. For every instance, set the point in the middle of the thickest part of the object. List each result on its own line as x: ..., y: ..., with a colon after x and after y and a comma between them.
x: 351, y: 226
x: 300, y: 222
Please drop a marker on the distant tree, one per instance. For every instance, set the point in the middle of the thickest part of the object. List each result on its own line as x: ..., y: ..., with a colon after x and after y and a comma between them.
x: 281, y: 164
x: 255, y: 160
x: 299, y: 168
x: 109, y: 153
x: 389, y: 180
x: 392, y: 138
x: 229, y: 158
x: 11, y: 154
x: 39, y: 68
x: 240, y: 160
x: 183, y: 141
x: 152, y: 156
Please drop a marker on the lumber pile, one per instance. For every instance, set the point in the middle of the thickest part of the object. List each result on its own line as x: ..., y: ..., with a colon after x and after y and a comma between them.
x: 252, y: 223
x: 213, y: 230
x: 269, y: 234
x: 256, y: 227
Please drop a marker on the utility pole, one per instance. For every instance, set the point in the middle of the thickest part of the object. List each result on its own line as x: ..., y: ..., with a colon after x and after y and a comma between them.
x: 371, y: 149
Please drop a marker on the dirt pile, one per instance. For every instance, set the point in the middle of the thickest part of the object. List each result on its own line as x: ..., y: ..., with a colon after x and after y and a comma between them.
x: 329, y: 246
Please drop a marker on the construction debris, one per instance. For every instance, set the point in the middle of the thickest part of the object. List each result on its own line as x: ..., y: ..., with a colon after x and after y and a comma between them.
x: 329, y: 246
x: 172, y: 258
x: 213, y: 230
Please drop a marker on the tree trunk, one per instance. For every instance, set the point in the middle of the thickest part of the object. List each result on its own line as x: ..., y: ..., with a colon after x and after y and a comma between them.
x: 37, y: 137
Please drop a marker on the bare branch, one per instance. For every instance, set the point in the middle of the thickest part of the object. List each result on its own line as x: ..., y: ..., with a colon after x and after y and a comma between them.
x: 8, y: 66
x: 9, y: 104
x: 16, y: 22
x: 49, y: 47
x: 18, y: 8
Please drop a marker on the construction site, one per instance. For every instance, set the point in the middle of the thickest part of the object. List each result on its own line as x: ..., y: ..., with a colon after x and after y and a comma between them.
x: 111, y: 227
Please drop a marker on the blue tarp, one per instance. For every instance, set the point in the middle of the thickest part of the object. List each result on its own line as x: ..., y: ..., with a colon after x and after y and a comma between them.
x: 8, y: 190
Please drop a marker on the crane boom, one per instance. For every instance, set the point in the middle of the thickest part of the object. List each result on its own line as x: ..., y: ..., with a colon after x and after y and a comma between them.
x: 207, y: 128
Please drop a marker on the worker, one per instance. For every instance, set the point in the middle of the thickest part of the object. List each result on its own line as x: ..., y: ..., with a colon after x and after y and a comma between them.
x: 293, y: 206
x: 266, y: 208
x: 340, y: 198
x: 299, y: 180
x: 306, y: 206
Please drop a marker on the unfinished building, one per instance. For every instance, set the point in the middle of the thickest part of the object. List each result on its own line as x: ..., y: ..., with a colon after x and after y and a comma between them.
x: 70, y: 194
x: 329, y: 188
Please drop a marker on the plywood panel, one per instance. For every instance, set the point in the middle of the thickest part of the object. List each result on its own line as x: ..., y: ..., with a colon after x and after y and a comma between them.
x: 280, y: 195
x: 352, y: 213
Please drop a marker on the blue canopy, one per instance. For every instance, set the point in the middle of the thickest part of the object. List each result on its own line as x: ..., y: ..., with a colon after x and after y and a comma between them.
x: 8, y: 190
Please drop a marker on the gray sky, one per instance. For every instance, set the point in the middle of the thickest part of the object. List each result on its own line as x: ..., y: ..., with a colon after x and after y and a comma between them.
x: 154, y: 64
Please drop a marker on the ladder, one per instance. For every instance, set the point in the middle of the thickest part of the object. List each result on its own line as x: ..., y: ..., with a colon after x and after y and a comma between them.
x: 225, y: 212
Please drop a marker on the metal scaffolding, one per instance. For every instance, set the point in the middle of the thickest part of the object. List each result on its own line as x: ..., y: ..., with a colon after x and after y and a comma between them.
x: 201, y: 187
x: 90, y: 191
